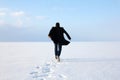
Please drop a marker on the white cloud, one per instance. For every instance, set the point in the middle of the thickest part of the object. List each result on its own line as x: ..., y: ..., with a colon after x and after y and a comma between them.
x: 18, y: 13
x: 2, y: 13
x: 2, y: 22
x: 18, y: 18
x: 19, y: 23
x: 28, y: 18
x: 4, y: 9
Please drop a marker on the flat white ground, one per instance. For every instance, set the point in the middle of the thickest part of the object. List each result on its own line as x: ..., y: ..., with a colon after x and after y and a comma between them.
x: 79, y: 61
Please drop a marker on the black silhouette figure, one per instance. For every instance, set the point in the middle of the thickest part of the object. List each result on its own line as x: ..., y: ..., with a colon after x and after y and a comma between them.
x: 57, y: 36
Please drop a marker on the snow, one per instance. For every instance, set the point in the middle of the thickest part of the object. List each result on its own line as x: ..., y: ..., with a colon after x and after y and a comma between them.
x: 79, y: 61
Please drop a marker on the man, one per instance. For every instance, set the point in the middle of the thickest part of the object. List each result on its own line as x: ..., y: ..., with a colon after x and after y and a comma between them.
x: 57, y: 36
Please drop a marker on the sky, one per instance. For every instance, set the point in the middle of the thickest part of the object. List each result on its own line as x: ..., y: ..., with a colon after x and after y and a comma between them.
x: 84, y: 20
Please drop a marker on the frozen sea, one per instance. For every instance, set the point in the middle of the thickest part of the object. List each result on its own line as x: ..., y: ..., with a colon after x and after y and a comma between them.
x: 79, y: 61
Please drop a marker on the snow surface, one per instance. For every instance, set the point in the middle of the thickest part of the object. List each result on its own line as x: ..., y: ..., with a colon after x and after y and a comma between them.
x: 79, y: 61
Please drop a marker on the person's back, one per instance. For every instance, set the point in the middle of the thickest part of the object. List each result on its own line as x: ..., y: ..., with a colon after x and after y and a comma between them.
x: 57, y: 36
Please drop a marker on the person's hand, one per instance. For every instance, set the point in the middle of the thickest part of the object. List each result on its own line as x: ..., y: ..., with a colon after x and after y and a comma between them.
x: 69, y: 38
x: 49, y: 36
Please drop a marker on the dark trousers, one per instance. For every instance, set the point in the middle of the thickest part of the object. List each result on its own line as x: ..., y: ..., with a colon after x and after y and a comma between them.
x: 58, y: 49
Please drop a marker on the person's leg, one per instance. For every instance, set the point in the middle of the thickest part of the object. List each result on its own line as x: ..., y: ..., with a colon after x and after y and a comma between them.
x: 60, y: 49
x: 59, y: 52
x: 56, y: 52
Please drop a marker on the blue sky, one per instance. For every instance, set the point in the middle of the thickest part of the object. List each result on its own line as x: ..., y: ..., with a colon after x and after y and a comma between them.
x: 84, y: 20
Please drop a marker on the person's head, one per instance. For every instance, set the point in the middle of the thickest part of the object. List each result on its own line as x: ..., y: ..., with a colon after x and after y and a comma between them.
x: 57, y: 24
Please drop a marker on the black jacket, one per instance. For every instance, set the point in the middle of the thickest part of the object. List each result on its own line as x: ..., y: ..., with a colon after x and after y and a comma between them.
x: 57, y: 35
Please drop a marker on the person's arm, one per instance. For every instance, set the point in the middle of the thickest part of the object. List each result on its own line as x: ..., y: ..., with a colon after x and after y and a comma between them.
x: 50, y: 33
x: 67, y: 34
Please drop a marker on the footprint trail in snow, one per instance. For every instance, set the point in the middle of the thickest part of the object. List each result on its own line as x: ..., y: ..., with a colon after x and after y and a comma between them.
x: 47, y: 72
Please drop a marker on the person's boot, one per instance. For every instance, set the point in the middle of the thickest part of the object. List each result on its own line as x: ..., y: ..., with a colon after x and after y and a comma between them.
x: 58, y: 59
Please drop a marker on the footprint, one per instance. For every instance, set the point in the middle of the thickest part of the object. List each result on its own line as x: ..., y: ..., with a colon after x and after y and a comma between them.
x: 33, y: 73
x: 56, y: 77
x: 45, y: 69
x: 62, y: 76
x: 47, y: 72
x: 40, y: 78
